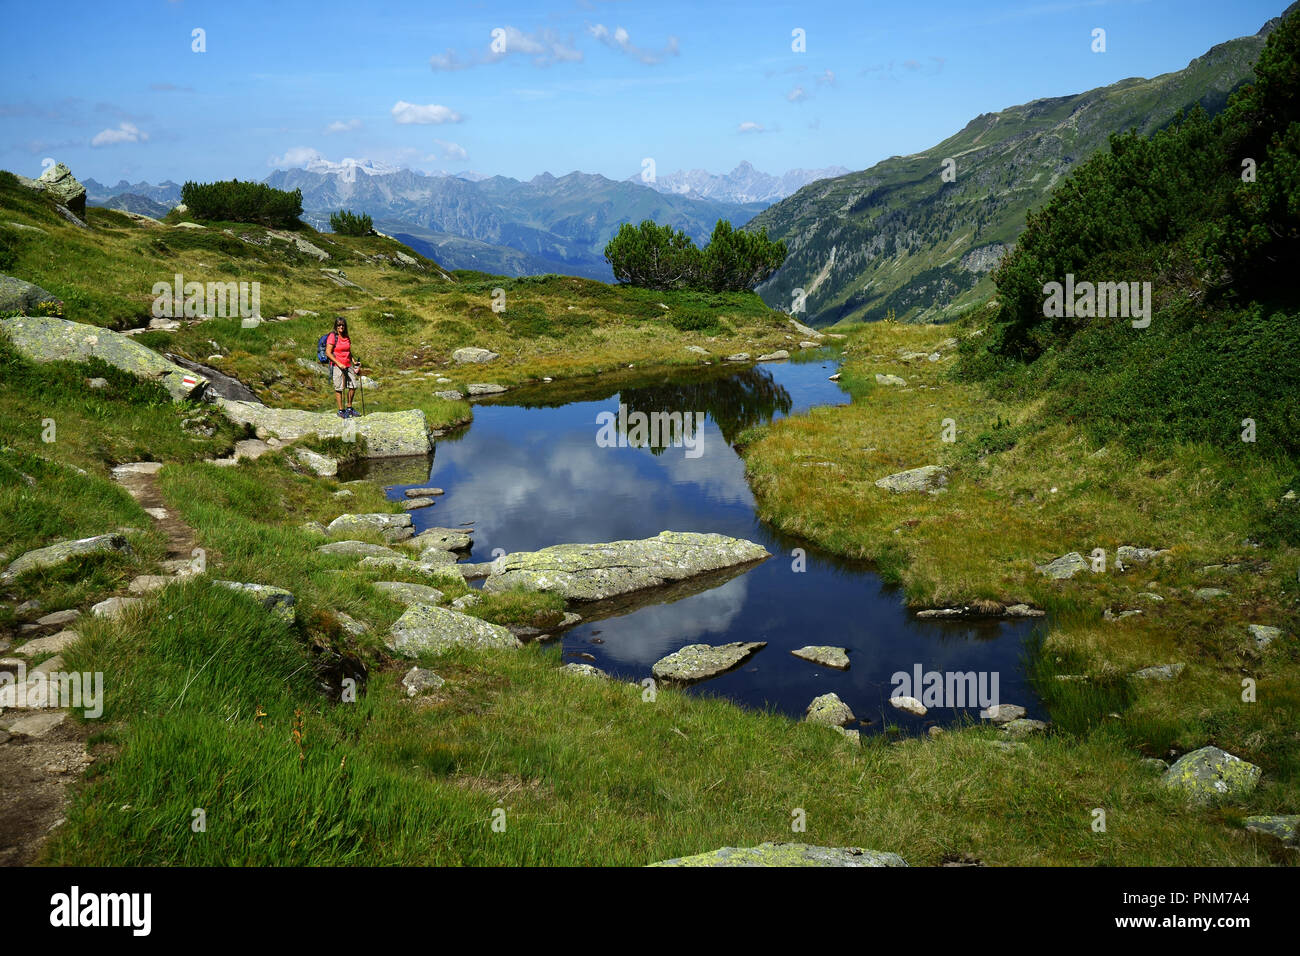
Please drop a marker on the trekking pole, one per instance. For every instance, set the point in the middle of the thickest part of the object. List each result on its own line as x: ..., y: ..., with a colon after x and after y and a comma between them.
x: 361, y: 386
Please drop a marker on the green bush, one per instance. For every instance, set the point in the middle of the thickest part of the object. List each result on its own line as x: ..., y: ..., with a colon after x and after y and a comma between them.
x: 347, y: 223
x: 233, y: 201
x: 662, y: 258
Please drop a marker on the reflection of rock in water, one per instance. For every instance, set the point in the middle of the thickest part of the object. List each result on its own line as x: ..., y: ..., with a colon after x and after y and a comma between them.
x: 663, y: 594
x: 736, y: 402
x: 412, y: 470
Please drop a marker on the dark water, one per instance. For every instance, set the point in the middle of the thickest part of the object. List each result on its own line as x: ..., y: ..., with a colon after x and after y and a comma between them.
x: 529, y: 473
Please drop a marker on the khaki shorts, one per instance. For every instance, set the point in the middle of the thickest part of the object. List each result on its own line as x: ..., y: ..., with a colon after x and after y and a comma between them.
x: 344, y: 377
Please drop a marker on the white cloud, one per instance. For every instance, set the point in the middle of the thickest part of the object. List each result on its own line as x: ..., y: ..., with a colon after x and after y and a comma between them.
x: 543, y: 47
x: 296, y: 156
x: 448, y: 150
x: 343, y: 126
x: 125, y: 133
x: 749, y: 127
x: 407, y: 113
x: 798, y: 94
x: 619, y: 39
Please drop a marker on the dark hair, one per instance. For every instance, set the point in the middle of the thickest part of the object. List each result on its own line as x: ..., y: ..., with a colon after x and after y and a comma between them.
x: 339, y: 320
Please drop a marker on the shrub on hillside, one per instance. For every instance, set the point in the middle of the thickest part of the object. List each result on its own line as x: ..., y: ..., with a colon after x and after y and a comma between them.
x: 347, y: 223
x: 234, y: 201
x: 661, y: 257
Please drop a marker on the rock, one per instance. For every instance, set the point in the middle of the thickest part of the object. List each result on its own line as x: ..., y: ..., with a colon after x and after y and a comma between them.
x: 1066, y: 566
x: 696, y: 662
x: 393, y: 527
x: 1159, y: 672
x: 941, y: 612
x: 358, y: 549
x: 485, y: 388
x: 834, y: 378
x: 787, y: 854
x: 44, y: 339
x: 315, y: 527
x: 1023, y: 727
x: 1211, y: 775
x: 1263, y: 634
x: 1285, y: 827
x: 58, y: 618
x: 301, y: 244
x: 1209, y: 594
x: 1149, y: 596
x: 406, y: 593
x: 1125, y: 556
x: 418, y: 681
x: 37, y: 725
x: 97, y: 383
x: 114, y: 607
x: 697, y: 350
x: 805, y: 330
x: 889, y: 380
x: 1154, y: 763
x: 341, y: 493
x: 387, y: 434
x: 909, y: 705
x: 23, y: 297
x: 54, y: 644
x: 62, y: 186
x: 830, y: 710
x: 473, y: 572
x: 276, y: 600
x: 475, y: 355
x: 776, y: 356
x: 585, y: 670
x: 1023, y: 610
x: 1003, y: 713
x: 434, y: 557
x: 593, y: 572
x: 427, y: 629
x: 738, y: 357
x: 415, y: 504
x: 322, y: 466
x: 339, y: 278
x: 1109, y: 615
x: 926, y: 478
x: 450, y: 395
x: 137, y: 468
x: 809, y: 345
x: 408, y: 566
x: 825, y: 655
x: 350, y: 625
x: 466, y: 601
x: 56, y: 554
x: 144, y: 583
x: 422, y: 492
x: 443, y: 539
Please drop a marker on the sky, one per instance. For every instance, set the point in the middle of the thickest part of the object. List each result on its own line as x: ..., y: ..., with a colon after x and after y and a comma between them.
x: 521, y: 88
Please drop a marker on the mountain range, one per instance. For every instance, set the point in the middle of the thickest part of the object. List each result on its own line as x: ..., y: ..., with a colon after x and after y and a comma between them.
x: 744, y: 184
x: 902, y: 236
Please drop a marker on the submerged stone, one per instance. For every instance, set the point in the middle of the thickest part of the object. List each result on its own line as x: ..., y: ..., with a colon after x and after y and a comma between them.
x: 825, y: 655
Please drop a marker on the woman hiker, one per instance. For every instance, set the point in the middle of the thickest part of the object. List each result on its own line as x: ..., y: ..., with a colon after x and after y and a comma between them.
x: 343, y: 367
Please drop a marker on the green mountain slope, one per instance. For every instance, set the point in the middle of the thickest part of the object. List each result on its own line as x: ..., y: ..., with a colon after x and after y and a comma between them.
x: 896, y: 236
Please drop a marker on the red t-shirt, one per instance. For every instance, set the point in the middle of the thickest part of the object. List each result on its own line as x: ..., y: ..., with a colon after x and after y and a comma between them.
x: 342, y: 349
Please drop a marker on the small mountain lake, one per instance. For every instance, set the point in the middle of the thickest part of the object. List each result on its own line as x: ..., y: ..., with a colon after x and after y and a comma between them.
x: 529, y: 472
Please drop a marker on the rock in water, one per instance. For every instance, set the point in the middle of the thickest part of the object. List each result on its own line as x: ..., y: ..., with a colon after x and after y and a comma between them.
x: 830, y: 710
x: 56, y: 554
x: 825, y: 655
x: 788, y: 854
x: 926, y: 478
x: 44, y: 339
x: 1211, y: 775
x: 696, y: 662
x: 387, y: 434
x: 593, y: 572
x: 426, y: 629
x: 23, y: 297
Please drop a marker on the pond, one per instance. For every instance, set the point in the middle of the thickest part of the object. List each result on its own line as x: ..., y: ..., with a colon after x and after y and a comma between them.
x: 530, y: 472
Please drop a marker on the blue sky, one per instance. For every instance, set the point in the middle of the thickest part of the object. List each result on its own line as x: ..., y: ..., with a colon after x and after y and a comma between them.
x: 589, y: 85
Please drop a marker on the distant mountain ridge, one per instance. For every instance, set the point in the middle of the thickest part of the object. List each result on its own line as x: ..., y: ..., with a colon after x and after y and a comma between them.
x: 899, y: 237
x: 744, y: 184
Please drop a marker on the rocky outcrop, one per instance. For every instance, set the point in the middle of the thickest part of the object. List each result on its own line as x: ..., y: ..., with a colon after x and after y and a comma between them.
x: 220, y: 383
x: 1210, y: 775
x: 61, y: 186
x: 787, y: 854
x: 56, y: 554
x: 593, y: 572
x: 929, y: 478
x: 425, y: 629
x: 387, y: 434
x: 697, y: 662
x: 44, y: 339
x: 23, y: 297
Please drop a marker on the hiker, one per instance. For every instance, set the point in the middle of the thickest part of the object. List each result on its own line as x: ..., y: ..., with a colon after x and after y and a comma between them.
x: 343, y: 367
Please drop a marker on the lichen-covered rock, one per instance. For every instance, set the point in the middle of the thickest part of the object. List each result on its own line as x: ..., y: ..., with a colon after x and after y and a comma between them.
x: 1126, y: 556
x: 419, y: 680
x: 1159, y: 672
x: 593, y: 572
x: 56, y: 554
x: 1209, y: 594
x: 787, y: 854
x: 738, y: 357
x: 1023, y: 727
x: 23, y: 297
x: 387, y: 434
x: 398, y: 563
x: 1285, y: 827
x: 1263, y: 634
x: 830, y: 710
x: 407, y: 593
x: 392, y: 527
x: 276, y: 600
x: 358, y: 549
x: 825, y: 655
x: 585, y: 670
x: 442, y: 539
x: 322, y: 466
x: 696, y: 662
x: 62, y: 187
x: 450, y: 395
x: 45, y: 339
x: 425, y: 629
x: 475, y: 355
x: 1066, y: 566
x: 889, y: 380
x: 926, y: 478
x: 1211, y: 775
x: 776, y: 356
x: 53, y: 644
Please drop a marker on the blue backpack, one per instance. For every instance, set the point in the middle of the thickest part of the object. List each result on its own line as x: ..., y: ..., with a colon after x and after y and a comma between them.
x: 320, y: 349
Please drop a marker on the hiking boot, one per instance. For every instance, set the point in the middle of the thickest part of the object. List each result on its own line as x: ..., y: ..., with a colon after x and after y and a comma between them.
x: 353, y: 413
x: 342, y: 414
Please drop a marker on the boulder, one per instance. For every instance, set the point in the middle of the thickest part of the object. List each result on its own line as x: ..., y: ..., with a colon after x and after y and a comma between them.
x: 1285, y: 827
x: 1003, y: 713
x: 276, y: 600
x: 1023, y: 727
x: 830, y: 710
x: 45, y: 339
x: 696, y: 662
x: 56, y: 554
x: 787, y: 854
x: 889, y: 380
x: 407, y: 566
x: 115, y: 607
x: 387, y: 434
x: 219, y: 383
x: 392, y: 527
x: 427, y: 629
x: 62, y: 186
x: 825, y: 655
x: 1209, y: 594
x: 443, y: 539
x: 449, y: 394
x: 1210, y: 775
x: 738, y: 357
x: 419, y: 680
x: 1066, y: 566
x: 698, y: 350
x: 474, y: 355
x: 358, y: 549
x: 415, y: 504
x: 593, y: 572
x: 58, y: 618
x: 485, y: 388
x: 1159, y: 672
x: 585, y: 670
x: 805, y: 330
x: 909, y: 705
x: 926, y: 478
x: 54, y: 644
x: 1263, y: 634
x: 422, y: 492
x: 406, y: 593
x: 776, y: 356
x: 1127, y: 556
x: 23, y: 297
x: 321, y: 465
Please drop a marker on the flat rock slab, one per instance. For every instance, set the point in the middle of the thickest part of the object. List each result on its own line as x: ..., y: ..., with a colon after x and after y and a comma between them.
x: 144, y: 583
x: 1210, y: 775
x: 928, y: 478
x: 53, y: 644
x: 324, y: 467
x: 446, y: 573
x: 37, y: 725
x: 471, y: 354
x: 830, y: 710
x: 776, y: 356
x: 58, y: 618
x: 594, y: 572
x: 44, y: 339
x: 825, y: 655
x: 387, y: 434
x: 422, y: 492
x: 443, y: 539
x: 889, y: 380
x: 696, y: 662
x: 788, y: 854
x: 276, y: 600
x: 485, y: 388
x: 392, y: 527
x: 415, y: 504
x: 1159, y: 672
x: 425, y: 629
x: 56, y: 554
x: 407, y: 593
x: 358, y: 549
